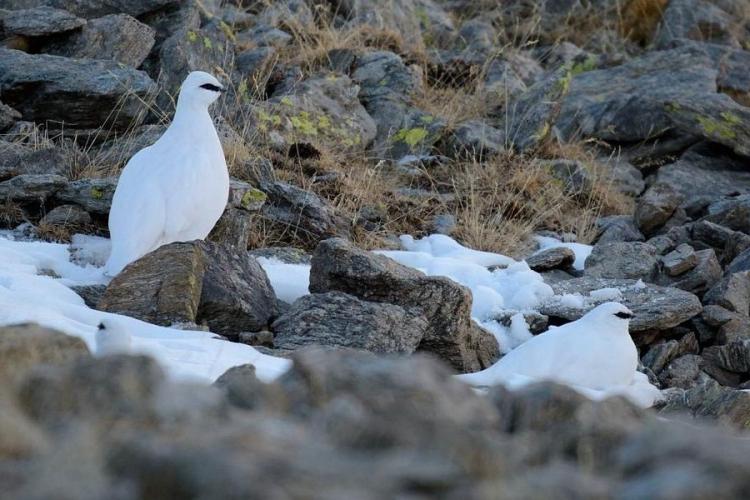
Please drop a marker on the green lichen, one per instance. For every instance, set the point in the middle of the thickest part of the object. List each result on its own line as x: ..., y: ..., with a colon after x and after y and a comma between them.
x: 324, y: 122
x: 207, y: 42
x: 716, y: 128
x: 673, y: 107
x: 303, y: 124
x: 97, y: 193
x: 543, y: 131
x: 730, y: 117
x: 265, y: 117
x: 192, y: 36
x: 427, y: 119
x: 411, y: 136
x: 227, y: 30
x: 586, y: 65
x: 253, y: 196
x: 242, y: 90
x: 286, y: 101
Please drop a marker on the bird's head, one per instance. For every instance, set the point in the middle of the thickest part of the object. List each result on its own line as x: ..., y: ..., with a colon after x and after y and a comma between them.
x: 200, y: 88
x: 611, y: 312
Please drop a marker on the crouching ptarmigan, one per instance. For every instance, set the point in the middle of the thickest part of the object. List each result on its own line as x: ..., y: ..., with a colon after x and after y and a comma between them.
x: 177, y: 188
x: 594, y: 355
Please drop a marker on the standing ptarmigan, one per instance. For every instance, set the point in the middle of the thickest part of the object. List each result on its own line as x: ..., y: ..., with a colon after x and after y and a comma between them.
x: 177, y: 188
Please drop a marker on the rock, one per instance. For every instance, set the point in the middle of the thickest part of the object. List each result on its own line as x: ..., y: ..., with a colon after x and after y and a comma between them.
x: 703, y: 276
x: 94, y: 195
x: 18, y: 159
x: 24, y: 346
x: 39, y: 21
x: 682, y: 372
x: 715, y: 168
x: 734, y: 356
x: 287, y: 255
x: 322, y: 111
x: 66, y: 216
x: 244, y: 390
x: 116, y: 37
x: 714, y: 401
x: 162, y: 287
x: 443, y: 224
x: 622, y: 260
x: 625, y: 102
x: 91, y: 294
x: 8, y: 116
x: 20, y: 438
x: 616, y: 228
x: 236, y: 294
x: 655, y: 307
x: 732, y: 292
x: 94, y: 8
x: 695, y: 20
x: 621, y: 175
x: 341, y: 320
x: 740, y: 263
x: 82, y: 92
x: 731, y: 212
x: 31, y: 187
x: 263, y: 35
x: 552, y: 258
x: 679, y: 260
x: 94, y: 389
x: 659, y: 355
x: 339, y: 266
x: 232, y: 229
x: 307, y: 216
x: 711, y: 234
x: 655, y: 207
x: 474, y: 139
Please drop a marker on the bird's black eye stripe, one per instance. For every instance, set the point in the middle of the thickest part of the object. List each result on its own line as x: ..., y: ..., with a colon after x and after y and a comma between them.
x: 101, y: 326
x: 211, y: 86
x: 623, y: 315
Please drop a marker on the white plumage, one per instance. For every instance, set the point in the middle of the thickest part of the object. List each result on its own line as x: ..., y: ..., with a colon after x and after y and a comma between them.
x: 175, y: 189
x: 595, y: 352
x: 112, y: 338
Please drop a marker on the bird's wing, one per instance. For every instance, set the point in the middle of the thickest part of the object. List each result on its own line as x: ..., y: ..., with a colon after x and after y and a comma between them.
x: 136, y: 219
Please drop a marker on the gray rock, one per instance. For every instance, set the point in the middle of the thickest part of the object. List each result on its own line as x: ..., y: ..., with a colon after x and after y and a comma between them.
x: 341, y: 320
x: 679, y: 260
x: 93, y: 8
x: 474, y: 139
x: 91, y: 294
x: 712, y: 167
x: 94, y: 195
x: 711, y: 234
x: 703, y: 276
x: 682, y: 372
x: 39, y: 21
x: 655, y: 207
x: 736, y: 244
x: 616, y: 228
x: 733, y: 357
x: 8, y: 116
x: 236, y: 294
x: 26, y: 345
x: 232, y: 229
x: 117, y: 37
x: 731, y: 212
x: 301, y: 212
x: 624, y: 103
x: 740, y: 263
x: 732, y: 292
x: 552, y: 258
x: 714, y: 401
x: 655, y: 307
x: 67, y: 215
x: 17, y: 159
x: 287, y: 255
x: 80, y: 93
x: 252, y: 62
x: 263, y: 35
x: 339, y: 266
x: 695, y: 20
x: 663, y: 243
x: 622, y: 260
x: 622, y: 176
x: 31, y: 187
x: 659, y: 355
x: 444, y: 224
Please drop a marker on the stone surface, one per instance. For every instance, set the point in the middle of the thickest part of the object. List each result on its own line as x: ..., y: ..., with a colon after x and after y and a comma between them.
x: 339, y: 266
x: 552, y: 258
x: 18, y: 159
x: 116, y: 37
x: 655, y: 207
x: 682, y: 372
x: 342, y: 320
x: 24, y: 346
x: 93, y: 8
x: 93, y: 195
x: 66, y: 216
x: 731, y: 292
x: 473, y: 139
x: 695, y: 20
x: 679, y: 260
x: 39, y: 21
x: 704, y: 275
x: 714, y: 401
x: 622, y: 260
x: 618, y: 228
x: 80, y: 93
x: 655, y: 307
x: 32, y: 187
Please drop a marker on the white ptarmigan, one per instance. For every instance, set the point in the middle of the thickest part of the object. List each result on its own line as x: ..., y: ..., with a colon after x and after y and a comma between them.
x: 112, y: 338
x: 595, y: 353
x: 177, y: 188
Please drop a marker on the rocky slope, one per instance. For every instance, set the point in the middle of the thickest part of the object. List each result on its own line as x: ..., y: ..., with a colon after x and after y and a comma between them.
x: 623, y: 124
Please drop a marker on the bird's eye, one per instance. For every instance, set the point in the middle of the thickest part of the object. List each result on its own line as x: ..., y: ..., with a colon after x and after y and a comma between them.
x: 211, y: 87
x: 623, y: 315
x: 101, y: 326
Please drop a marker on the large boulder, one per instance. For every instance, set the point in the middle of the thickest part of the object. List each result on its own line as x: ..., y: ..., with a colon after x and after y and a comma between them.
x: 633, y: 260
x: 93, y: 8
x: 194, y: 281
x: 76, y: 93
x: 337, y: 265
x: 94, y: 195
x: 342, y: 320
x: 39, y: 21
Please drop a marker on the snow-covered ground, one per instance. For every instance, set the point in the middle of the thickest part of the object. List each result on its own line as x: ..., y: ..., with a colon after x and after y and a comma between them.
x: 35, y: 278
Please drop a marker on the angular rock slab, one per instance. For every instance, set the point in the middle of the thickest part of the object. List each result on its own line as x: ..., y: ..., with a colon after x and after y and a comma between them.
x: 655, y: 307
x: 39, y: 21
x: 81, y: 93
x: 342, y: 320
x: 337, y: 265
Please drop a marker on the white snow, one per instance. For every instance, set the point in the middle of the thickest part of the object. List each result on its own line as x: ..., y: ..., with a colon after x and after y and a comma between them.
x: 289, y: 281
x: 582, y: 251
x: 29, y: 294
